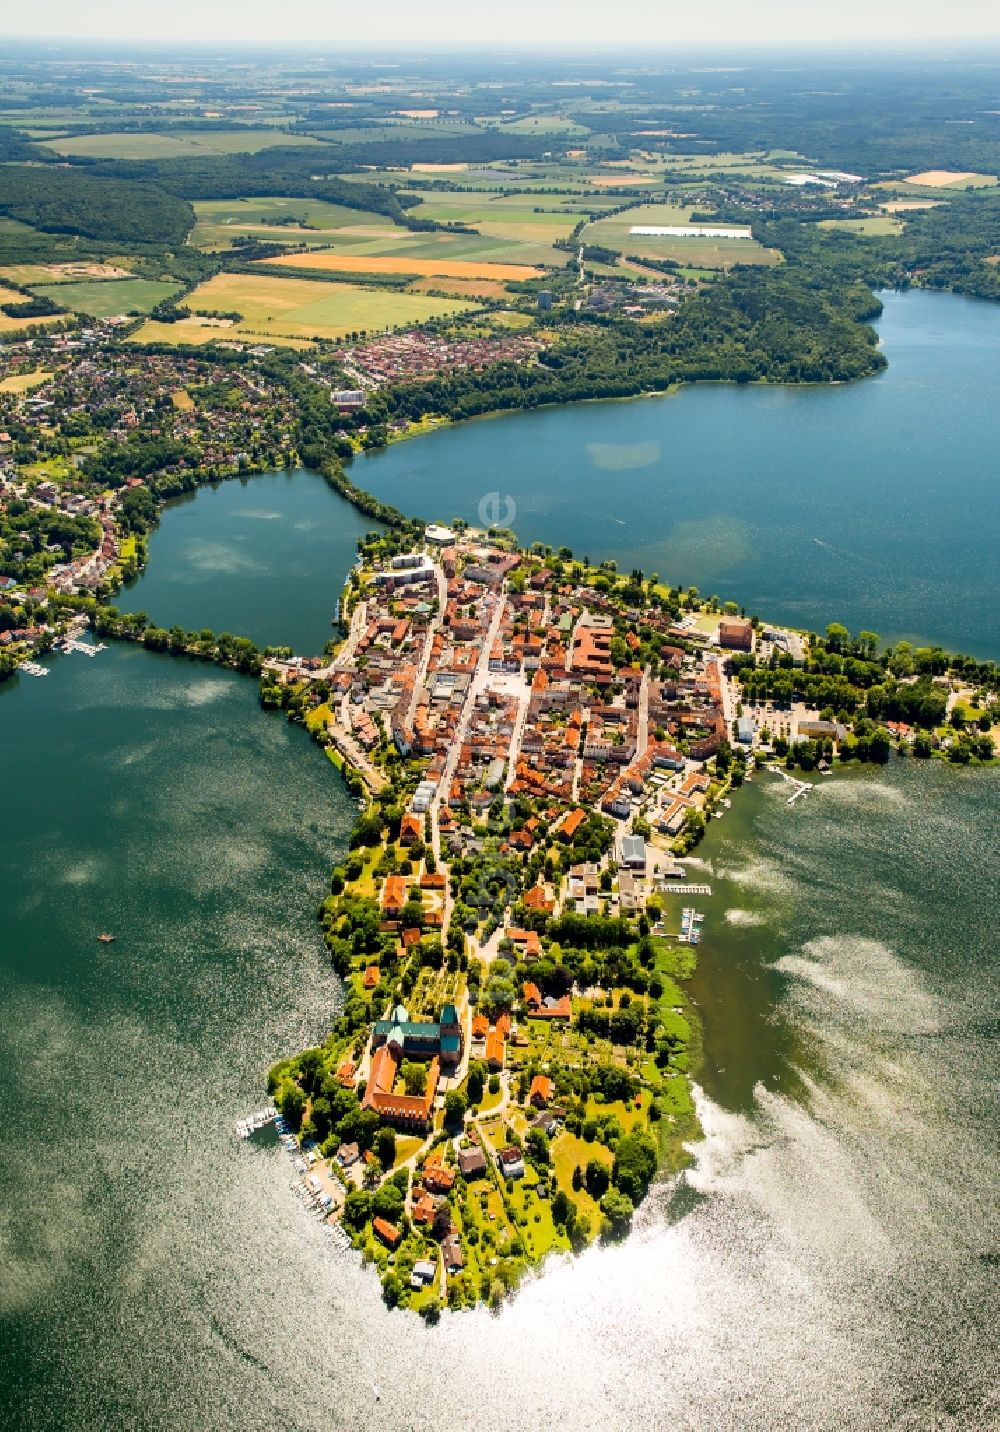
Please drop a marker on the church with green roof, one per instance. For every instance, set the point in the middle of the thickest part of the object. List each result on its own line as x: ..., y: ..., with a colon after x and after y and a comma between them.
x: 422, y: 1039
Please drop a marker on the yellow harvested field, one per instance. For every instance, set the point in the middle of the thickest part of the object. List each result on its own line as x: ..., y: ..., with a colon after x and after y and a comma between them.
x: 460, y: 287
x: 421, y: 268
x: 418, y: 113
x: 24, y: 382
x: 438, y: 168
x: 275, y: 309
x: 949, y: 178
x: 620, y: 181
x: 10, y: 325
x: 906, y: 206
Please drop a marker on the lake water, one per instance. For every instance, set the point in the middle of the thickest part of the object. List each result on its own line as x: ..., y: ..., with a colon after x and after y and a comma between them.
x: 221, y: 555
x: 876, y: 503
x: 825, y: 1265
x: 829, y: 1262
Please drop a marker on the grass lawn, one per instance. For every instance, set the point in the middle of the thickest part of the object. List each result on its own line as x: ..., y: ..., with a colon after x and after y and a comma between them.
x: 174, y: 144
x: 406, y: 1147
x: 104, y: 298
x: 490, y: 1101
x: 534, y: 1219
x: 567, y: 1152
x: 316, y: 719
x: 273, y: 309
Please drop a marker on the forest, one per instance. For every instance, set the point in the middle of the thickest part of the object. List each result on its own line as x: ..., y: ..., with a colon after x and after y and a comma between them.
x: 62, y: 200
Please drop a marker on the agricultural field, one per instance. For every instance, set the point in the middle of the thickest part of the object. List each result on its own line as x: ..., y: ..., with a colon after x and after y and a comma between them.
x: 273, y: 309
x: 11, y: 325
x: 174, y: 144
x: 460, y: 287
x: 881, y: 226
x: 422, y: 268
x: 219, y: 221
x: 696, y: 251
x: 951, y: 179
x: 543, y: 124
x: 24, y: 382
x: 521, y: 218
x: 906, y: 206
x: 396, y: 130
x: 58, y: 273
x: 511, y: 233
x: 105, y: 298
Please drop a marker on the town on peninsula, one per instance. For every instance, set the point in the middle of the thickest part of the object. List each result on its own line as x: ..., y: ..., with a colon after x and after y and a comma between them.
x: 535, y: 741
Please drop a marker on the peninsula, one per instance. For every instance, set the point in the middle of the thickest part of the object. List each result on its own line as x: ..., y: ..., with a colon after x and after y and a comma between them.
x: 535, y: 742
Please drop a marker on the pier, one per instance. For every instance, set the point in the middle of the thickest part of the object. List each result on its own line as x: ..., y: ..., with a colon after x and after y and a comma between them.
x: 801, y: 787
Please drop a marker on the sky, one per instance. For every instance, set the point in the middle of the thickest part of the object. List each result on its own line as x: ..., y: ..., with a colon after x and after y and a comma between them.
x: 564, y: 23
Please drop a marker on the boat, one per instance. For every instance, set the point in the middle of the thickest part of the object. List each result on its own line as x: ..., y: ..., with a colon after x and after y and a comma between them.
x: 106, y: 939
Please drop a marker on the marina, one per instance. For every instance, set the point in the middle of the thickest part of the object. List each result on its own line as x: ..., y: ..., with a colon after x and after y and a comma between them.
x: 691, y: 923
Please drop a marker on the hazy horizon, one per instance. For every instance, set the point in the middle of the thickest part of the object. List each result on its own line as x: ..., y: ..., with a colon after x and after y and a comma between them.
x: 520, y: 24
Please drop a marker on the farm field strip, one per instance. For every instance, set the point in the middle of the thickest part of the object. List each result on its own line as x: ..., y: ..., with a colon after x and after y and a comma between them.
x: 420, y: 267
x: 105, y: 298
x: 173, y: 144
x: 275, y: 308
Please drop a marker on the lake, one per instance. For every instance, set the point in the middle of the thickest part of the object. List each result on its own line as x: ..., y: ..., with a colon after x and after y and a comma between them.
x: 221, y: 555
x: 826, y: 1263
x: 876, y: 503
x: 829, y: 1261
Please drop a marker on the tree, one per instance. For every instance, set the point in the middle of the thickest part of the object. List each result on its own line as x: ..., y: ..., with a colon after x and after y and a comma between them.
x: 385, y: 1147
x: 538, y: 1145
x: 617, y: 1209
x: 598, y: 1177
x: 476, y: 1083
x: 414, y: 1077
x: 290, y: 1101
x: 388, y: 1202
x: 357, y: 1208
x: 454, y: 1108
x: 635, y: 1165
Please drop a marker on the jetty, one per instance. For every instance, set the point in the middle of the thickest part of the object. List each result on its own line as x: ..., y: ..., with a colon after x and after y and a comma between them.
x: 256, y: 1121
x: 801, y: 787
x: 691, y: 923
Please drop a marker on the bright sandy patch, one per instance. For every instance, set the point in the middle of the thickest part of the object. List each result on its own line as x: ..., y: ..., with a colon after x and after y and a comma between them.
x: 946, y: 178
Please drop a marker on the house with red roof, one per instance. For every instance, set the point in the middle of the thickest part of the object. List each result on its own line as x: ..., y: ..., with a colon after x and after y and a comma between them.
x: 388, y: 1232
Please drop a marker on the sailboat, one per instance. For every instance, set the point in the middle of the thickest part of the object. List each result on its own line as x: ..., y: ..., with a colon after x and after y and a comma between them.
x: 106, y: 939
